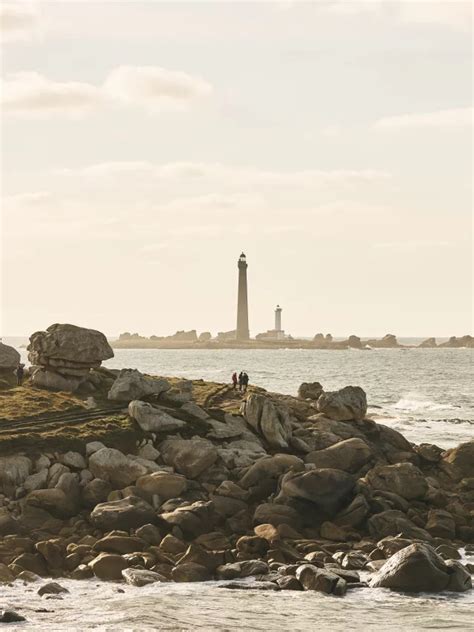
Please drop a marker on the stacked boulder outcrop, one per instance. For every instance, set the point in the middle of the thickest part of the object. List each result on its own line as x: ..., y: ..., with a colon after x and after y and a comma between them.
x: 63, y: 356
x: 297, y: 494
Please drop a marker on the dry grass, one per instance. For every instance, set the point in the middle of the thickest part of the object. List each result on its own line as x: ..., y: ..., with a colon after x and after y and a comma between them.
x: 27, y: 401
x: 117, y: 431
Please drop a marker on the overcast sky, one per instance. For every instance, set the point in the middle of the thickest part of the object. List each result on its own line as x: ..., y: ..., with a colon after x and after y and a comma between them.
x: 146, y: 144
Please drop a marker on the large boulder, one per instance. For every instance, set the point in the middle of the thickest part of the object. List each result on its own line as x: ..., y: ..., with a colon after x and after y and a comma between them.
x: 9, y: 357
x: 271, y: 467
x: 190, y: 457
x: 193, y: 520
x: 111, y: 465
x: 153, y: 419
x: 310, y: 390
x: 394, y: 522
x: 271, y: 513
x: 462, y: 459
x: 403, y: 479
x: 63, y: 343
x: 55, y: 501
x: 14, y: 470
x: 131, y: 384
x: 53, y: 381
x: 270, y: 420
x: 418, y: 568
x: 127, y: 513
x: 349, y: 403
x: 348, y: 455
x: 108, y: 566
x: 327, y: 489
x: 164, y: 484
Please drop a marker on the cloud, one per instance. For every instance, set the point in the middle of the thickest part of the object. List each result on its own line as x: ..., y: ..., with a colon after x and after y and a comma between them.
x: 151, y: 87
x: 30, y: 92
x: 456, y: 14
x: 230, y: 174
x: 18, y: 21
x: 154, y: 86
x: 454, y: 118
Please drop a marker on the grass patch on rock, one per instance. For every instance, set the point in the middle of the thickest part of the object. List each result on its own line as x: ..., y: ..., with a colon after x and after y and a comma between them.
x: 28, y: 401
x: 117, y: 431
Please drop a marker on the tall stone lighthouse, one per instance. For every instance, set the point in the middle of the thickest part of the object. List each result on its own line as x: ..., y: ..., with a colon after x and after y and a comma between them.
x: 242, y: 332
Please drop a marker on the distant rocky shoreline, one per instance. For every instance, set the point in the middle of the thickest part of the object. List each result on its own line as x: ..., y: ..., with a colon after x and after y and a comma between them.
x: 204, y: 483
x: 191, y: 340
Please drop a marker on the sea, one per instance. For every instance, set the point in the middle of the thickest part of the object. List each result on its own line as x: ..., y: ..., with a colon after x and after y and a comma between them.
x: 427, y: 394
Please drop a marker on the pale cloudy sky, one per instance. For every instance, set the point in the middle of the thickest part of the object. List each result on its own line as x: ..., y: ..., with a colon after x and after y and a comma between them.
x: 146, y: 144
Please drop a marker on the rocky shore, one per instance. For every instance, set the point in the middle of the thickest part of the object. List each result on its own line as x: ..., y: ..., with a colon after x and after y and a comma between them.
x: 297, y: 493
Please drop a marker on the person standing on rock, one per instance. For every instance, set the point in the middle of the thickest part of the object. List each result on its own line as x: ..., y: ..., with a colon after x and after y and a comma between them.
x: 241, y: 380
x: 20, y: 372
x: 245, y: 381
x: 234, y: 379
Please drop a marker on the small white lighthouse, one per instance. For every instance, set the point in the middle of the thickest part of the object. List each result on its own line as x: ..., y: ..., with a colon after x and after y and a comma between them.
x: 278, y: 311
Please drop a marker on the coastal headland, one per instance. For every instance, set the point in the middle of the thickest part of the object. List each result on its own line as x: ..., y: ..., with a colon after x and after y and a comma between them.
x: 150, y: 479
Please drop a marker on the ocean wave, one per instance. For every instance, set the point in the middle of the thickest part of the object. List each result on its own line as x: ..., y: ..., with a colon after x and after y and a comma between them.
x: 412, y: 404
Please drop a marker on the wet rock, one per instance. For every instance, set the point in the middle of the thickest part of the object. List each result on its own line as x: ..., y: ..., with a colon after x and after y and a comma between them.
x: 270, y: 420
x: 6, y: 576
x: 328, y: 489
x: 288, y: 582
x: 190, y: 572
x: 131, y: 384
x: 119, y: 544
x: 250, y: 586
x: 139, y: 577
x: 418, y: 568
x: 348, y: 455
x: 448, y: 552
x: 318, y: 579
x: 108, y: 566
x: 310, y: 390
x: 349, y: 403
x: 128, y: 513
x: 10, y: 616
x: 404, y: 479
x: 51, y: 588
x: 51, y: 552
x: 32, y: 562
x: 190, y: 457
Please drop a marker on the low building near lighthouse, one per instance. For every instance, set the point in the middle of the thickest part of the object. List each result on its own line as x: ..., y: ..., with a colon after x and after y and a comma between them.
x: 277, y: 333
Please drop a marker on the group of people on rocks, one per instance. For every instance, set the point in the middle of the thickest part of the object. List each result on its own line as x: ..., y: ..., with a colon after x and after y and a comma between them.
x: 242, y: 380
